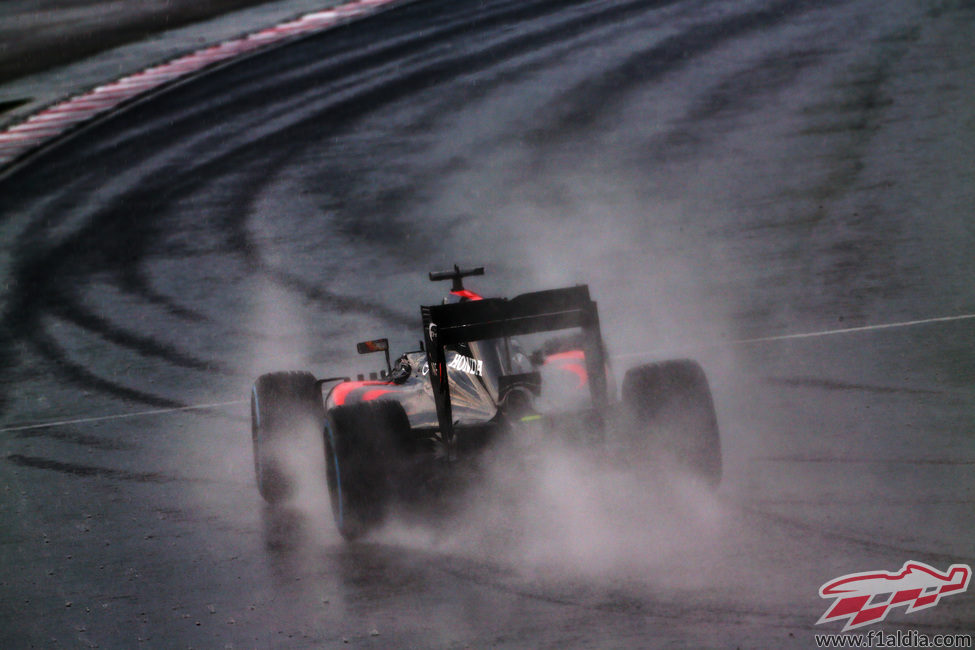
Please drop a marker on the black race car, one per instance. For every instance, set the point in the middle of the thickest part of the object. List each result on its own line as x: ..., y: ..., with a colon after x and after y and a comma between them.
x: 396, y: 435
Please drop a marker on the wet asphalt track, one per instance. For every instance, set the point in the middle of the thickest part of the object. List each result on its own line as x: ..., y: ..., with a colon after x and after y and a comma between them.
x: 714, y: 170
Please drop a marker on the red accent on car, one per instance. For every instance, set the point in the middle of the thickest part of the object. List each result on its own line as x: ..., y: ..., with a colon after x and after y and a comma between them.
x: 567, y: 361
x: 467, y: 293
x: 571, y: 354
x: 341, y: 391
x: 579, y: 371
x: 375, y: 393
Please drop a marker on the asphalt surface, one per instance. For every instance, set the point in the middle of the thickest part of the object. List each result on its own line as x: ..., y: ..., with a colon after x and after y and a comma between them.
x: 717, y: 172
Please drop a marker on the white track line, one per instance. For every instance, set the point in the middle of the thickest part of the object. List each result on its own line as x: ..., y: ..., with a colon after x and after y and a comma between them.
x: 863, y: 328
x: 762, y: 339
x: 805, y: 335
x: 120, y: 416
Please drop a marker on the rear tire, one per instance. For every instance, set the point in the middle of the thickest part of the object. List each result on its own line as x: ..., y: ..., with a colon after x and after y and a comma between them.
x: 285, y: 407
x: 670, y: 403
x: 363, y: 458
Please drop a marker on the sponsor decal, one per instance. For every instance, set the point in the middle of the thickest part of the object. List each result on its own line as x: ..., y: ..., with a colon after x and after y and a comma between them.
x: 466, y: 364
x: 866, y: 598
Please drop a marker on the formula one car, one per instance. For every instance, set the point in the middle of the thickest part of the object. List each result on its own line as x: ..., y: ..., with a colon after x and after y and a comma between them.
x: 395, y: 435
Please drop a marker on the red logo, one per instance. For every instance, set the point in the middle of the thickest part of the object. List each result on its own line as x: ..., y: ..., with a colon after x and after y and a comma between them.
x: 865, y: 598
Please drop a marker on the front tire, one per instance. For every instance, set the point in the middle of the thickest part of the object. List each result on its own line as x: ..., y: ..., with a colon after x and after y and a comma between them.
x: 670, y: 403
x: 363, y: 457
x: 285, y: 406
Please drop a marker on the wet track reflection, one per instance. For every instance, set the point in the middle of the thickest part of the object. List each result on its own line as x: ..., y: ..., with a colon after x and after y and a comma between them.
x: 715, y: 171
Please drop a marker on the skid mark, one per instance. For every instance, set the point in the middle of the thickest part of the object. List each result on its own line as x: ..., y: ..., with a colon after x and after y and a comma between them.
x: 87, y: 470
x: 830, y: 384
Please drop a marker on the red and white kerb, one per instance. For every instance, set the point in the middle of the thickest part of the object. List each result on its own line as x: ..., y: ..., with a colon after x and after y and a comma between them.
x: 60, y: 118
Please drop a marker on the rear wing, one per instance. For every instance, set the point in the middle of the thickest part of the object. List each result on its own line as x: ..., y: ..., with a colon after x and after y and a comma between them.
x: 491, y: 318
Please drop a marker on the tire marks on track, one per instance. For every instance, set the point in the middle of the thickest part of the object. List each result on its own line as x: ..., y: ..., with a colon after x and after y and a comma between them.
x: 607, y: 599
x: 818, y: 530
x: 579, y: 108
x: 87, y: 471
x: 363, y: 82
x: 20, y: 139
x: 76, y: 373
x: 81, y: 439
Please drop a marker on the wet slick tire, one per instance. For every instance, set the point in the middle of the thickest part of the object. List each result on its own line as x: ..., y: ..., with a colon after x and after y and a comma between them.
x: 669, y: 404
x: 286, y: 408
x: 363, y: 453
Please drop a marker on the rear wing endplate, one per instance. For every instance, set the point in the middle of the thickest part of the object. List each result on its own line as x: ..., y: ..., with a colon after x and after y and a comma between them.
x: 490, y: 318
